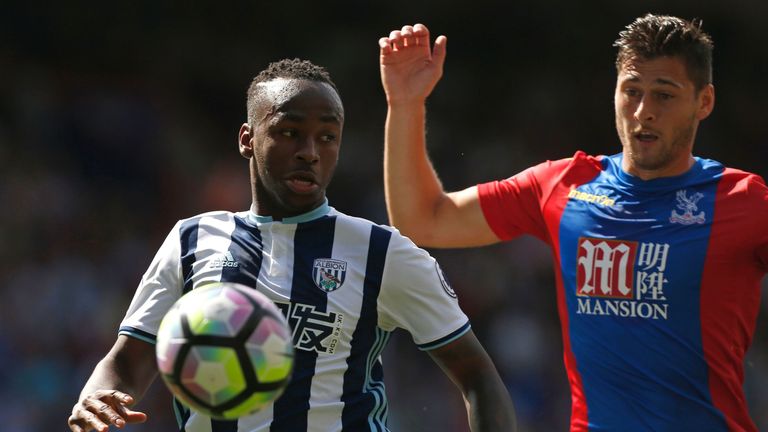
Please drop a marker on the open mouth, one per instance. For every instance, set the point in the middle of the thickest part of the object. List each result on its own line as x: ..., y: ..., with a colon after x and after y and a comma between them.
x: 302, y: 183
x: 646, y: 137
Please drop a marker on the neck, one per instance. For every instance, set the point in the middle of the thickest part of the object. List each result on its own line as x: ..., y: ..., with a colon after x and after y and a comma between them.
x: 670, y: 170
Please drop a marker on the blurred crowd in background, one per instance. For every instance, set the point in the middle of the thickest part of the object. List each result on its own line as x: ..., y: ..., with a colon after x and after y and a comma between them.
x: 118, y: 119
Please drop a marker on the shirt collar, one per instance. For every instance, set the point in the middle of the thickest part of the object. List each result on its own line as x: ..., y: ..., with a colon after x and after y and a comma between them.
x: 318, y: 212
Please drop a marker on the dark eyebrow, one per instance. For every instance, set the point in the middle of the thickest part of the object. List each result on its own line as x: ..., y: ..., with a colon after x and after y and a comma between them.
x: 330, y: 118
x: 295, y: 116
x: 669, y: 82
x: 288, y: 115
x: 662, y: 81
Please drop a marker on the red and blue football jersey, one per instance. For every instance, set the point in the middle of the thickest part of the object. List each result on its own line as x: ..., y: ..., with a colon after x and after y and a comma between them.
x: 658, y: 286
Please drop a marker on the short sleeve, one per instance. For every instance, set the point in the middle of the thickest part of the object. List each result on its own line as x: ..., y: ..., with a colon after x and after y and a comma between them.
x: 416, y: 297
x: 516, y: 205
x: 158, y: 290
x: 512, y: 206
x: 759, y: 191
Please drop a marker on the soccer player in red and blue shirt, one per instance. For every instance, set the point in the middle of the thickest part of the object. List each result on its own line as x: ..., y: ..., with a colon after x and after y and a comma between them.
x: 658, y: 254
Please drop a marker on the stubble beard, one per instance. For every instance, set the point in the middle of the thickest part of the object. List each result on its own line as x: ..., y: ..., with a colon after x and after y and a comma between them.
x: 664, y: 155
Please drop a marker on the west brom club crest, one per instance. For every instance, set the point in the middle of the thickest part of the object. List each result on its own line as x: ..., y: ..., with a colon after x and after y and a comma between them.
x: 329, y: 274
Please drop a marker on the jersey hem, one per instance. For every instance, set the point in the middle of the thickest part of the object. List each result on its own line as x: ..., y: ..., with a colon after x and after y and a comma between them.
x: 446, y: 339
x: 138, y: 334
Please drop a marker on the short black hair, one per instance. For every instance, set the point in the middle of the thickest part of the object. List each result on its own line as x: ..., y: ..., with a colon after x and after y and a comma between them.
x: 652, y: 36
x: 288, y: 69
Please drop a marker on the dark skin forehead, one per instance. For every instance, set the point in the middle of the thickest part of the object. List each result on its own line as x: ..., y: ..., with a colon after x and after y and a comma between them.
x: 283, y: 98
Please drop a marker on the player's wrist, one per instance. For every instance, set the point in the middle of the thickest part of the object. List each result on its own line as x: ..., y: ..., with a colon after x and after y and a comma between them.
x: 406, y: 102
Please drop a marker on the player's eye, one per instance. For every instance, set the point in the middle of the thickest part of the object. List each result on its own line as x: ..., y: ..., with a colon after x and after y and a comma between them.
x: 631, y: 92
x: 665, y: 96
x: 288, y: 133
x: 328, y: 138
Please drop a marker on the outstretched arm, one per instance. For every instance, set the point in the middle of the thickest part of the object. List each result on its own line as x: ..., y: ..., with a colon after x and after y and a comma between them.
x: 118, y: 381
x: 489, y: 406
x: 416, y: 202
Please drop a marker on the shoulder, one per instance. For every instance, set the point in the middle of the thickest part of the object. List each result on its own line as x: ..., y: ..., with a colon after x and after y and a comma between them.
x: 745, y: 184
x: 380, y: 234
x: 577, y: 169
x: 579, y: 160
x: 738, y: 191
x: 359, y: 223
x: 216, y: 215
x: 735, y: 175
x: 211, y: 216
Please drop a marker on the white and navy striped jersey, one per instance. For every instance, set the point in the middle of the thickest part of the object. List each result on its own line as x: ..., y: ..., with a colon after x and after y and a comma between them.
x: 343, y: 283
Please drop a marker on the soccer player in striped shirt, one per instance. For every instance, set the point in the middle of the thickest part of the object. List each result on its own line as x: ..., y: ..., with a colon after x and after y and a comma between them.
x: 658, y: 254
x: 344, y: 284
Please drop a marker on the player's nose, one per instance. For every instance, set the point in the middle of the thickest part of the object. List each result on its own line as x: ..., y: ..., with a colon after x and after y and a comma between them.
x: 307, y: 150
x: 645, y: 111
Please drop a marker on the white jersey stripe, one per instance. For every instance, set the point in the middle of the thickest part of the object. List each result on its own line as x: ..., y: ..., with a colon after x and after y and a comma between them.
x: 215, y: 234
x: 364, y: 350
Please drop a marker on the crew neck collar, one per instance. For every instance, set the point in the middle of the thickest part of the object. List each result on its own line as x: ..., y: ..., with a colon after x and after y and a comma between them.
x: 656, y: 183
x: 318, y: 212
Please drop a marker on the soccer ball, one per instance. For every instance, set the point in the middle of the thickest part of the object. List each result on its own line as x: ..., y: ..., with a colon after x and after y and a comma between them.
x: 225, y: 350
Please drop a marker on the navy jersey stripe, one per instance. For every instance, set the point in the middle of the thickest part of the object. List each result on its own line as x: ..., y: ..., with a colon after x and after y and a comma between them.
x: 182, y: 414
x: 188, y: 240
x: 223, y: 425
x: 246, y: 249
x: 357, y: 401
x: 312, y: 240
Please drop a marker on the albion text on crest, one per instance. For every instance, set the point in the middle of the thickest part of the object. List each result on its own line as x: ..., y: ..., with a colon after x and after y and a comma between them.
x: 329, y: 274
x: 688, y: 206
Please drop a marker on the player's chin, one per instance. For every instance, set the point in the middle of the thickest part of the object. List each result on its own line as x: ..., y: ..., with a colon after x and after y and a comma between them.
x: 649, y: 162
x: 303, y: 203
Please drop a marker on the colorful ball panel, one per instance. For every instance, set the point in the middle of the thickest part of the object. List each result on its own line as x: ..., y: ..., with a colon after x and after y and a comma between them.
x: 212, y: 374
x: 254, y: 403
x: 170, y: 339
x: 270, y: 350
x: 218, y: 311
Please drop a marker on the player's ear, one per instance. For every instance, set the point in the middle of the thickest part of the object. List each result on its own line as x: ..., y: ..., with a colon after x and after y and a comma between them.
x: 245, y: 141
x: 706, y: 101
